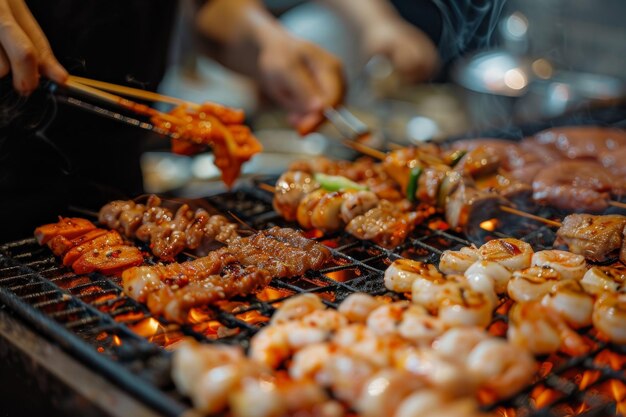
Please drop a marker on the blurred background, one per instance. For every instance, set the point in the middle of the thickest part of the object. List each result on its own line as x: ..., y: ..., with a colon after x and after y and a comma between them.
x: 538, y: 59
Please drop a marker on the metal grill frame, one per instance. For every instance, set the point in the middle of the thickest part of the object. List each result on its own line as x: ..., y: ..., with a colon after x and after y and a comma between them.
x: 29, y: 273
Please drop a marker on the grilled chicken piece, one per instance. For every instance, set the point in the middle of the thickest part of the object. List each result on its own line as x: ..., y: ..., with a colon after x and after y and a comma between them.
x: 576, y: 142
x: 110, y: 213
x: 597, y: 238
x: 111, y: 238
x: 60, y: 244
x: 386, y: 224
x: 291, y: 188
x: 175, y: 301
x: 109, y: 260
x: 68, y: 227
x: 577, y: 185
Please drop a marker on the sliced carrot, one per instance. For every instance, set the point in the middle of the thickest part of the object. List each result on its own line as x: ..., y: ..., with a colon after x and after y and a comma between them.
x: 68, y: 227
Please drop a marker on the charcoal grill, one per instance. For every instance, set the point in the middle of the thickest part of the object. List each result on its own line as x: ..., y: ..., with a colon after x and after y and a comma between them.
x: 109, y: 338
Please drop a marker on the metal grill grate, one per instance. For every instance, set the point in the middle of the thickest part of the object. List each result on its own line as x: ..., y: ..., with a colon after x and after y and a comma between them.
x: 90, y: 317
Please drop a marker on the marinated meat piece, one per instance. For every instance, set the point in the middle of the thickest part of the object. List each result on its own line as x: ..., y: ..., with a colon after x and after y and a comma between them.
x: 386, y: 224
x: 68, y: 227
x: 175, y: 301
x: 111, y: 238
x: 131, y: 219
x: 139, y: 282
x: 597, y: 238
x: 110, y: 260
x: 583, y: 141
x: 291, y: 188
x: 318, y: 253
x: 526, y: 174
x: 577, y: 185
x: 428, y: 184
x: 109, y: 214
x: 516, y: 192
x: 614, y: 161
x: 509, y: 153
x: 220, y: 229
x: 325, y: 216
x: 478, y: 162
x: 542, y: 152
x: 60, y: 244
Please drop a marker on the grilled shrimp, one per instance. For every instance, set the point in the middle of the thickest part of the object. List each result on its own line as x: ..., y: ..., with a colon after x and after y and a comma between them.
x: 430, y: 403
x: 356, y: 203
x: 426, y: 290
x: 421, y: 329
x: 571, y: 302
x: 457, y: 261
x: 537, y: 328
x: 460, y: 305
x: 492, y: 270
x: 360, y: 342
x: 501, y: 367
x: 386, y: 318
x: 309, y: 361
x: 446, y: 375
x: 513, y: 254
x: 383, y: 391
x: 532, y: 283
x: 401, y: 274
x: 597, y: 281
x: 356, y: 307
x: 609, y: 316
x: 458, y: 342
x: 482, y: 283
x: 297, y: 307
x: 567, y: 264
x: 345, y: 375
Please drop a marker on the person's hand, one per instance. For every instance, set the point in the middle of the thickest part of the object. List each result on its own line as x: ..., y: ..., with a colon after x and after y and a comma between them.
x: 413, y: 55
x: 24, y: 49
x: 301, y: 77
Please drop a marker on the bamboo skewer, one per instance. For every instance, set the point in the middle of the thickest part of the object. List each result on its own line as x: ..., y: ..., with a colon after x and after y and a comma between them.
x: 131, y: 92
x: 521, y: 213
x: 617, y: 204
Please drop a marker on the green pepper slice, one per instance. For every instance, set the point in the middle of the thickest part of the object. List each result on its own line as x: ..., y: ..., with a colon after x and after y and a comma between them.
x: 411, y: 188
x: 337, y: 183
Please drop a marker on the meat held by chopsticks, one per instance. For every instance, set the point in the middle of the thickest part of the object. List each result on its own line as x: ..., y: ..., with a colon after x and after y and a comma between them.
x: 598, y: 238
x: 168, y: 233
x: 216, y: 126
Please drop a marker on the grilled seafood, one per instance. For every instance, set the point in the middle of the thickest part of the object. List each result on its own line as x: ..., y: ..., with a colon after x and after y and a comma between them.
x: 401, y: 274
x: 609, y: 315
x: 532, y: 283
x: 457, y: 261
x: 567, y: 264
x: 513, y: 254
x: 597, y: 281
x: 358, y: 306
x: 492, y: 271
x: 539, y: 329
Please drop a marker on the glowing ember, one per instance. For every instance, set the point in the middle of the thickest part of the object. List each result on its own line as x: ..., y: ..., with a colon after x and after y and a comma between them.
x: 146, y: 328
x: 505, y: 412
x: 270, y: 294
x: 253, y: 317
x: 489, y: 225
x: 116, y: 340
x: 587, y: 378
x: 313, y: 233
x: 343, y: 275
x: 544, y: 396
x: 199, y: 315
x: 618, y: 390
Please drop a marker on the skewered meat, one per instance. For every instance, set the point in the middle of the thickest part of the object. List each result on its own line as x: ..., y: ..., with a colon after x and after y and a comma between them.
x: 386, y: 224
x: 595, y: 237
x: 291, y: 188
x: 68, y: 227
x: 168, y: 233
x: 614, y: 161
x: 174, y: 301
x: 583, y: 141
x: 510, y: 155
x: 576, y: 185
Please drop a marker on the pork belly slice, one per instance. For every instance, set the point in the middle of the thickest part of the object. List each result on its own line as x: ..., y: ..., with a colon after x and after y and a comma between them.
x: 597, y: 238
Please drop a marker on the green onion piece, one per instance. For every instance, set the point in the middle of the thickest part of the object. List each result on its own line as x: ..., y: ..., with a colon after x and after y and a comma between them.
x: 337, y: 183
x: 411, y: 188
x: 457, y: 156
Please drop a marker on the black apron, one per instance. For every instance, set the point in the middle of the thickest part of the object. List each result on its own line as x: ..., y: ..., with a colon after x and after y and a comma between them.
x: 53, y: 156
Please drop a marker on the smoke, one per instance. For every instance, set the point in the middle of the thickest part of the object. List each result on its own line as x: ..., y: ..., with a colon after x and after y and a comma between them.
x: 467, y: 25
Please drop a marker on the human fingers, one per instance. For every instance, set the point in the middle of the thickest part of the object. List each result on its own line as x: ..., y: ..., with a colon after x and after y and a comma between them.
x: 5, y: 65
x: 329, y: 77
x: 19, y: 50
x: 47, y: 62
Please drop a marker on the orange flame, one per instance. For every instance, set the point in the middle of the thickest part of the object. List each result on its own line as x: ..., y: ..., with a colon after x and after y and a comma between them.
x: 544, y: 396
x: 588, y: 377
x: 618, y: 390
x: 116, y: 340
x: 489, y: 225
x: 253, y: 317
x: 146, y: 328
x: 199, y: 315
x: 270, y: 294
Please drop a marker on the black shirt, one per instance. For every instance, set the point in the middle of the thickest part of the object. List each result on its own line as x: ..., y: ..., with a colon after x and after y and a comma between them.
x: 52, y: 155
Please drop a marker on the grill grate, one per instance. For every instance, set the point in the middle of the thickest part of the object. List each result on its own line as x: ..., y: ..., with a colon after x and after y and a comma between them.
x: 89, y: 316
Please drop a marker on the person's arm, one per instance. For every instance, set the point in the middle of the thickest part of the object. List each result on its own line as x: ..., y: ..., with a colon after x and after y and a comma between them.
x: 384, y: 32
x: 299, y: 75
x: 24, y: 49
